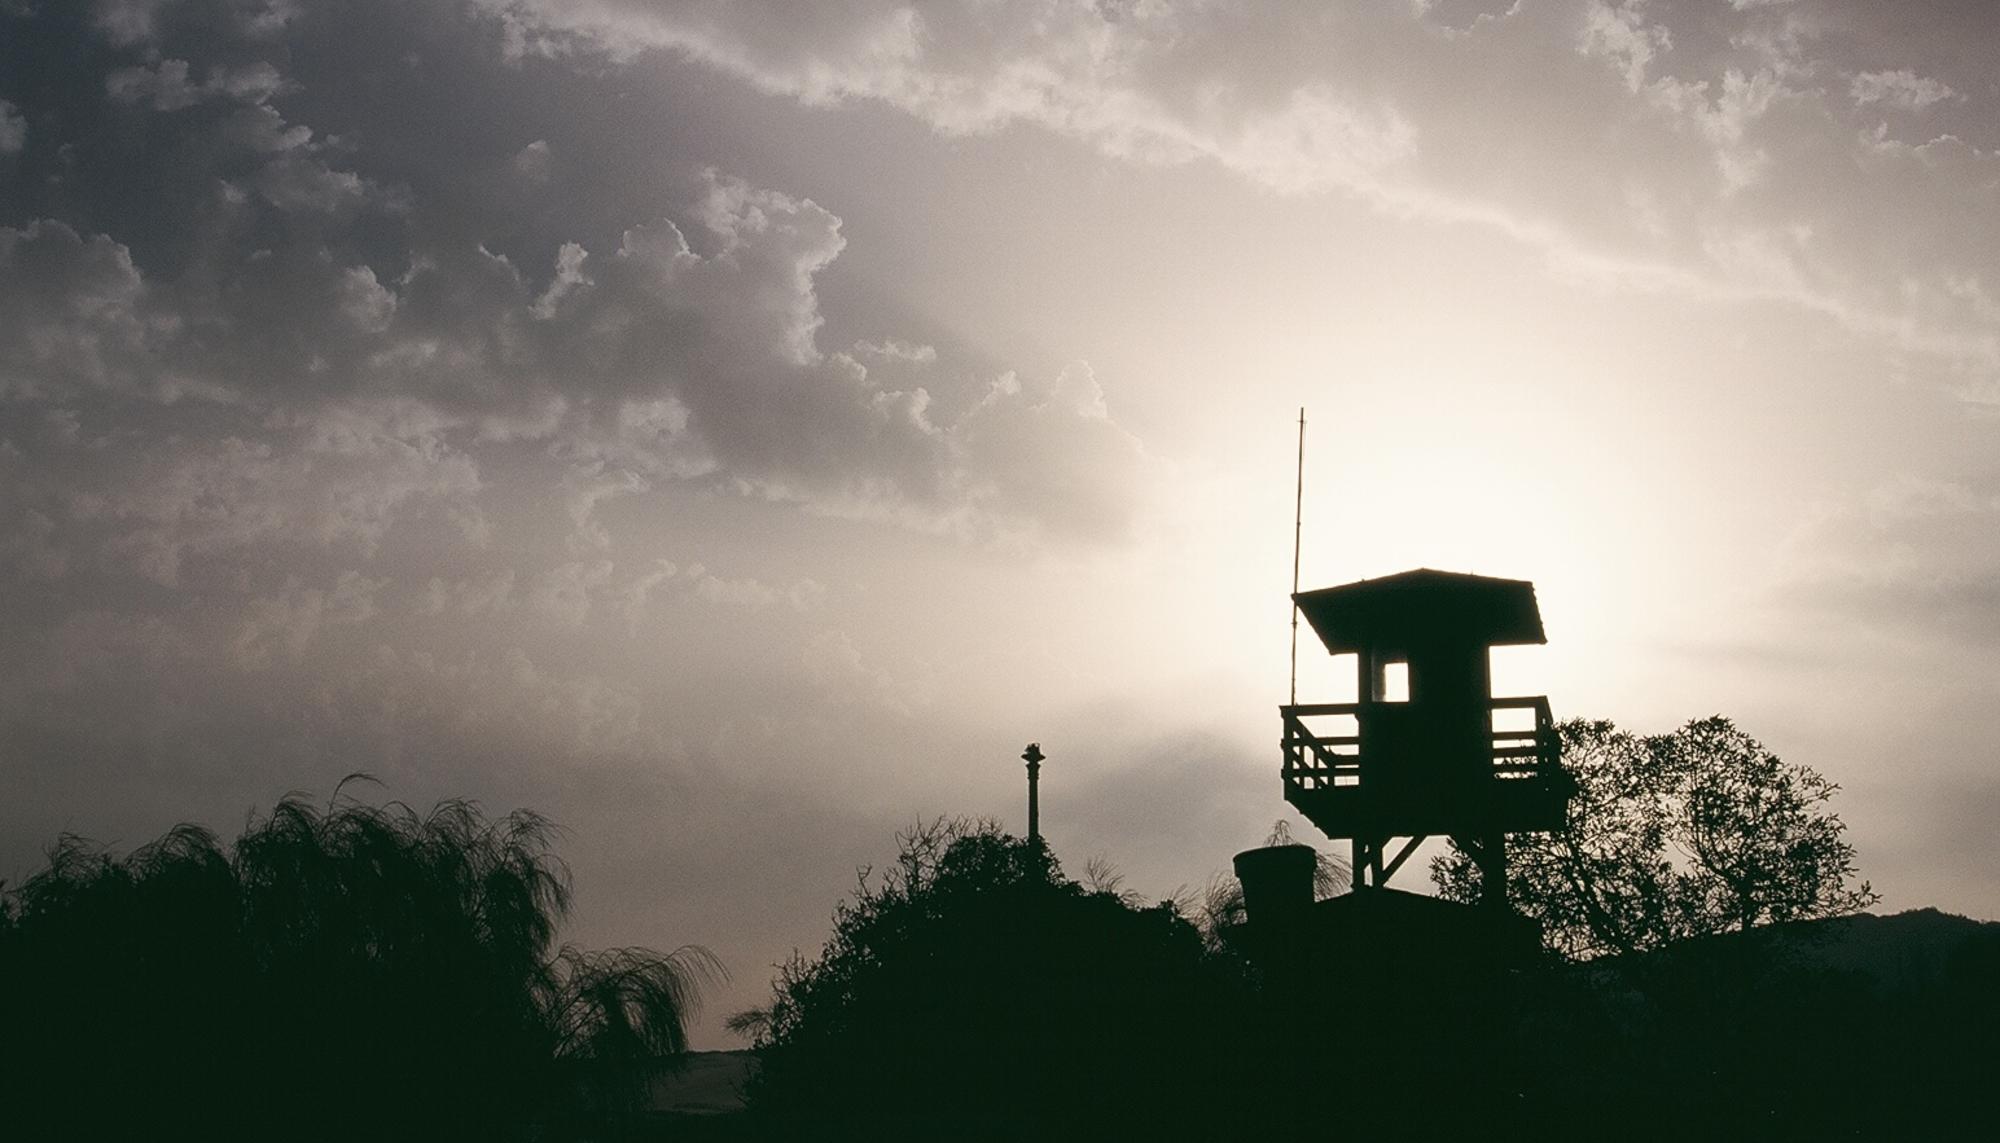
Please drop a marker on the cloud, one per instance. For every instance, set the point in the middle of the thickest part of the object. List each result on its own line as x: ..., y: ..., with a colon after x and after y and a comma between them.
x: 1916, y: 559
x: 842, y: 675
x: 1902, y: 89
x: 13, y: 129
x: 1621, y: 34
x: 288, y: 621
x: 295, y: 279
x: 166, y: 87
x: 214, y: 488
x: 532, y: 162
x: 1080, y: 69
x: 1543, y: 120
x: 73, y: 306
x: 475, y: 596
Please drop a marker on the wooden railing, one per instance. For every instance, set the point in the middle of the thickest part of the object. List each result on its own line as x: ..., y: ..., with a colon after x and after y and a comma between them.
x: 1330, y: 745
x: 1317, y: 761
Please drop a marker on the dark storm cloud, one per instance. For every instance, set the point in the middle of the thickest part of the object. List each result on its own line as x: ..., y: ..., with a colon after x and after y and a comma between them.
x: 319, y: 324
x: 310, y: 212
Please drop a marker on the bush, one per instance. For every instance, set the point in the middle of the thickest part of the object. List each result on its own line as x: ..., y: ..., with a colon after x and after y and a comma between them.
x: 973, y: 991
x: 358, y: 972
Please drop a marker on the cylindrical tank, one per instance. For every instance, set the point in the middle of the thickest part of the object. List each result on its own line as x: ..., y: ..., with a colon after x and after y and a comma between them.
x: 1277, y: 882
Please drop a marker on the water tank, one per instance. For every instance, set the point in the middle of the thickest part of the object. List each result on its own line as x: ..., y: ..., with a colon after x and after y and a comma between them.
x: 1277, y: 882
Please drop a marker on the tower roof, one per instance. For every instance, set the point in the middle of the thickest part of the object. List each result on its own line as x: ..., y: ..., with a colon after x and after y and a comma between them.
x: 1423, y: 607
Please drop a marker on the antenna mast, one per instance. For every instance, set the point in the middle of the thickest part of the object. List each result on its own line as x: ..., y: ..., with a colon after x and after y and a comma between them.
x: 1298, y: 515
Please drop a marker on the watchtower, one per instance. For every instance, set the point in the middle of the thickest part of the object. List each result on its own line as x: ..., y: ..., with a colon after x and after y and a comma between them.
x: 1439, y: 755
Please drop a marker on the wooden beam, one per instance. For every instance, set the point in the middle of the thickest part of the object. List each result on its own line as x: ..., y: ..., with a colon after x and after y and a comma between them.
x: 1409, y: 848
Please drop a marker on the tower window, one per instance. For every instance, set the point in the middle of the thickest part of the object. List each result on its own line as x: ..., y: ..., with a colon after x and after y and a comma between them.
x: 1396, y: 682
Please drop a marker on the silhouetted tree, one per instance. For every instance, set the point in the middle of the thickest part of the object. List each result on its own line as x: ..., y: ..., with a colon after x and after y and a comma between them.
x: 357, y: 972
x: 1672, y: 836
x: 971, y: 990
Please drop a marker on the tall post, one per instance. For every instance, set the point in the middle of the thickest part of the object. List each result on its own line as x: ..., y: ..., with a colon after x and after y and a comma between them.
x: 1298, y: 519
x: 1033, y: 757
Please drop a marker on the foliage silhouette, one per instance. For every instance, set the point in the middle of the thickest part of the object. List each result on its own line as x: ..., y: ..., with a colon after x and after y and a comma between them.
x: 971, y: 990
x: 357, y: 971
x: 1670, y: 837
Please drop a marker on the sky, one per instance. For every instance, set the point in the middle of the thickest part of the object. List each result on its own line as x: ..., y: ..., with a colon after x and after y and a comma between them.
x: 736, y: 430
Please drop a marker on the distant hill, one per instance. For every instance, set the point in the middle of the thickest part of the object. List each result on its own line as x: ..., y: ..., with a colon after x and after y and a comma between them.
x: 711, y: 1083
x: 1903, y: 952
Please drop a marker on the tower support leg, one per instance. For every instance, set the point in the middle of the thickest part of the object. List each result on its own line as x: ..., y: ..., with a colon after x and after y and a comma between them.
x: 1493, y: 871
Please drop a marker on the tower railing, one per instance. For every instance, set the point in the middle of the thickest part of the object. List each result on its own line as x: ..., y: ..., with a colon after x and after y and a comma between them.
x: 1329, y: 746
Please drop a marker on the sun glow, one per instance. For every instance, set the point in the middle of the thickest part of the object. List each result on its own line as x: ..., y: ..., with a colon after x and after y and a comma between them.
x: 1489, y: 482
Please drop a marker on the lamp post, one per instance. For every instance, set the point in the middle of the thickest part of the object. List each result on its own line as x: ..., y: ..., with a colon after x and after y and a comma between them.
x: 1033, y: 757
